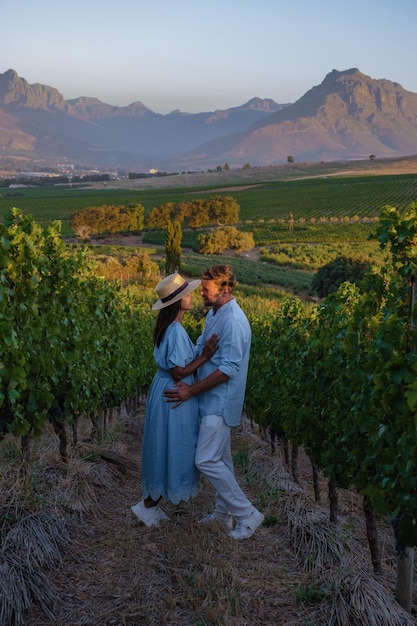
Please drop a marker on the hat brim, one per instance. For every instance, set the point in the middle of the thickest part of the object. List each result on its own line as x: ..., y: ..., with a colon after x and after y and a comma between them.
x: 193, y: 284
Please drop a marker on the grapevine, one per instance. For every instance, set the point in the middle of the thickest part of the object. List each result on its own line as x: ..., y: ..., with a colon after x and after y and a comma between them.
x: 72, y: 343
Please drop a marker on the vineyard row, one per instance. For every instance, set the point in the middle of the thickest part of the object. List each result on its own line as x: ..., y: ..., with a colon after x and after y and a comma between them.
x: 340, y: 379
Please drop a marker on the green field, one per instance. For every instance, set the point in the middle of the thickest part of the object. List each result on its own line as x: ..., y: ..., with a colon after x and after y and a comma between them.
x: 310, y: 200
x: 327, y: 197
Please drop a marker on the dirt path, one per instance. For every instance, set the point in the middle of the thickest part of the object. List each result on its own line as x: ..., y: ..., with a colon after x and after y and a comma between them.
x: 118, y: 572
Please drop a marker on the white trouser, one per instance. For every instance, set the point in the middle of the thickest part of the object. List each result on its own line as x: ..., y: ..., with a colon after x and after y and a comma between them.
x: 214, y: 460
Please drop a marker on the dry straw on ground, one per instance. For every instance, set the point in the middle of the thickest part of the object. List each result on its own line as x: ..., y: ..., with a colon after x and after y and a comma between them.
x: 73, y: 554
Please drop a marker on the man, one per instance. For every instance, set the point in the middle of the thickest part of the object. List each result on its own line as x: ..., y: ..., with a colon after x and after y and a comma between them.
x: 220, y: 385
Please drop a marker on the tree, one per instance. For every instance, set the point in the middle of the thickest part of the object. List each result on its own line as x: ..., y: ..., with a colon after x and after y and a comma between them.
x: 136, y: 213
x: 197, y: 214
x: 343, y: 269
x: 221, y: 239
x: 240, y: 241
x: 223, y: 210
x: 290, y: 159
x: 160, y: 215
x: 97, y: 220
x: 173, y: 247
x: 372, y: 157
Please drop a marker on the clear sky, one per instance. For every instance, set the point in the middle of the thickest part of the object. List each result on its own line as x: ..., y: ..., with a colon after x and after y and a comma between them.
x: 203, y: 55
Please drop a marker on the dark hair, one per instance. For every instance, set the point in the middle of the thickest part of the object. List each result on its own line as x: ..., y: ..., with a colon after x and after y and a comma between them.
x: 165, y: 317
x: 222, y: 275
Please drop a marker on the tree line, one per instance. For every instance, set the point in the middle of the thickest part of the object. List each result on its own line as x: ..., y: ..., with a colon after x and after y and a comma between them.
x: 48, y: 180
x: 217, y: 211
x: 97, y: 220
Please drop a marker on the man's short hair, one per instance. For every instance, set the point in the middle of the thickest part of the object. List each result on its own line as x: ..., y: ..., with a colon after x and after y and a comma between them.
x: 222, y: 275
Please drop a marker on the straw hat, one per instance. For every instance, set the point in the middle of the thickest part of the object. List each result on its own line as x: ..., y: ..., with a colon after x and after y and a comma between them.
x: 171, y: 289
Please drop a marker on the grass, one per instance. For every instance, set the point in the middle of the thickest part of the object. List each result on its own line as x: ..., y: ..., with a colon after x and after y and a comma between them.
x: 311, y: 593
x: 271, y: 233
x: 34, y: 544
x: 308, y: 199
x: 82, y: 556
x: 305, y: 256
x: 361, y: 196
x: 251, y: 273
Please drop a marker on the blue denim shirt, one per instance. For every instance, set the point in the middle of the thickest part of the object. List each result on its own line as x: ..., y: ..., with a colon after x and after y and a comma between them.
x: 232, y: 358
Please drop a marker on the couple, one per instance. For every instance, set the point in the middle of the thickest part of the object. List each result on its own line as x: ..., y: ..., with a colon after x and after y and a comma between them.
x: 195, y: 398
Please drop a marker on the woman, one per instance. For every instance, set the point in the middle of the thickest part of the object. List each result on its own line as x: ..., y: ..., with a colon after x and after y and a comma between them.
x: 170, y: 436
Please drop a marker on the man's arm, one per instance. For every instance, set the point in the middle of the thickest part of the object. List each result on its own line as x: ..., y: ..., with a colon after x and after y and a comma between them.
x: 183, y: 392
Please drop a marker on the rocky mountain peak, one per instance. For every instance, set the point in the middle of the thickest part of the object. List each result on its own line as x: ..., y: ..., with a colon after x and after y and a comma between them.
x: 348, y: 116
x: 18, y: 92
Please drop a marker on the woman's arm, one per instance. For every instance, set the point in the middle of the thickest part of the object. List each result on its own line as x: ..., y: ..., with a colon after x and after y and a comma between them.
x: 210, y: 347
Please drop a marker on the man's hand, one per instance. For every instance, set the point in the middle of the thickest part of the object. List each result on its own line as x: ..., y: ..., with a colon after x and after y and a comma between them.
x: 179, y: 394
x: 182, y: 392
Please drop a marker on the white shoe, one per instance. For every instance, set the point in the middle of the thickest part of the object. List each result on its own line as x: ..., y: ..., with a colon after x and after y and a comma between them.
x: 222, y: 518
x: 150, y: 516
x: 246, y: 527
x: 162, y: 516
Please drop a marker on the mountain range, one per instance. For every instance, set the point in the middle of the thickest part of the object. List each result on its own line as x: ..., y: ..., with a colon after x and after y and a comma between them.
x: 348, y: 116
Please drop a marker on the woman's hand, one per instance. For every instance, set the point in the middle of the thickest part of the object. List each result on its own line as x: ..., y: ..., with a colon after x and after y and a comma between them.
x: 210, y: 347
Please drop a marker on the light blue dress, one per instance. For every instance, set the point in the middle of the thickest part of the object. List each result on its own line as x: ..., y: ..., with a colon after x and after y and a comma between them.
x: 170, y: 435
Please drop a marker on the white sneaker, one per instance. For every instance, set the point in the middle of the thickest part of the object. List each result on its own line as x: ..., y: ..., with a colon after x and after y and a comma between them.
x: 222, y: 518
x: 246, y: 527
x: 162, y: 516
x: 149, y: 516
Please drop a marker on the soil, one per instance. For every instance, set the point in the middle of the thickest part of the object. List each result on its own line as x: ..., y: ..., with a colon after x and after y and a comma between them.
x: 118, y: 572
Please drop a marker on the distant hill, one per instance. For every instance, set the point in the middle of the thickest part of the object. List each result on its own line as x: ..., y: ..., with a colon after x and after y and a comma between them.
x: 36, y: 123
x: 348, y: 116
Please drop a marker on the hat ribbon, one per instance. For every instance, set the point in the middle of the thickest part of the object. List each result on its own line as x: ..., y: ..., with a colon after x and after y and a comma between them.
x: 175, y: 293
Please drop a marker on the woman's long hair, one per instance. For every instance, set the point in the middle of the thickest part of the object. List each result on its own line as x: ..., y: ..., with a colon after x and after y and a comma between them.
x: 165, y: 317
